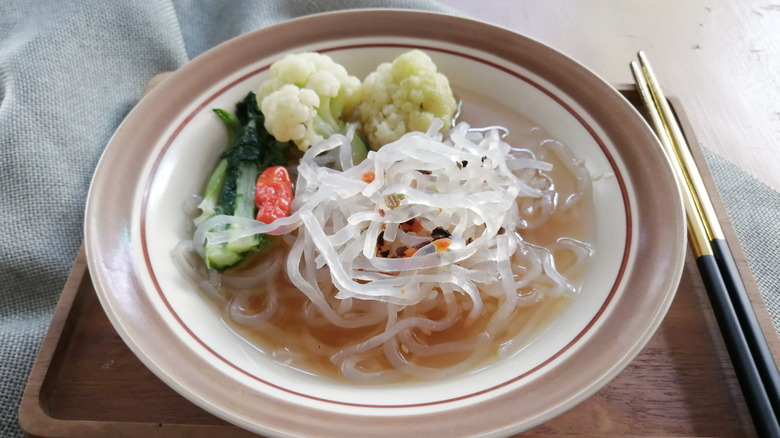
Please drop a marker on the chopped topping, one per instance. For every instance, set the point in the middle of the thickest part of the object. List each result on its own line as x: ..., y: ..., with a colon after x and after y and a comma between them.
x: 412, y: 225
x: 440, y: 238
x: 368, y: 177
x: 393, y: 200
x: 421, y: 244
x: 440, y: 233
x: 442, y: 244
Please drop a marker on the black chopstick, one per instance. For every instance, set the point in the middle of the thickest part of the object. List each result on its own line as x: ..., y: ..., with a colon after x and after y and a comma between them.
x: 753, y: 363
x: 727, y: 265
x: 765, y: 362
x: 747, y: 317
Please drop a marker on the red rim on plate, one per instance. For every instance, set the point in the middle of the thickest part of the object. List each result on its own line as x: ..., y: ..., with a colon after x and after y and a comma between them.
x: 127, y: 282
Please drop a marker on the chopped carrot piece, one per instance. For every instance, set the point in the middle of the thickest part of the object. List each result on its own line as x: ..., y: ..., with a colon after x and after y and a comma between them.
x: 442, y: 244
x: 368, y: 177
x: 413, y: 225
x: 410, y: 252
x: 416, y: 226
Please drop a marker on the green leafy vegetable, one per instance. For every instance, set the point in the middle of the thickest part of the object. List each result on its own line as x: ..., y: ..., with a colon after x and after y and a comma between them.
x: 230, y: 188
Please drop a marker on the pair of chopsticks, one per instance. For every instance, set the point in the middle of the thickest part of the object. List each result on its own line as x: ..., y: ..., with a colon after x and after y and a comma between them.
x: 747, y: 347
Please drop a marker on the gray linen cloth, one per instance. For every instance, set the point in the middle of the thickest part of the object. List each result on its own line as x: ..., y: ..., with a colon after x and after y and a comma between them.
x: 71, y: 71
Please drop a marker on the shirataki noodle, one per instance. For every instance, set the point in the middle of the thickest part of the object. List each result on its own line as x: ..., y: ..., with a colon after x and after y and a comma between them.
x: 414, y: 263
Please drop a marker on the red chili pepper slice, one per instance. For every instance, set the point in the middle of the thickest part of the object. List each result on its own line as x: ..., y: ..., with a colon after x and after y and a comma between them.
x: 273, y: 194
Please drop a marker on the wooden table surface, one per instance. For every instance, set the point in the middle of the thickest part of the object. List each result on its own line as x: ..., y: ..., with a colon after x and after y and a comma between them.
x: 720, y: 58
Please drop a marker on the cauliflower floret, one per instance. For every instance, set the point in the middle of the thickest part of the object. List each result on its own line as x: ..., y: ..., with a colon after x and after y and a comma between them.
x: 290, y: 110
x: 308, y: 97
x: 402, y: 96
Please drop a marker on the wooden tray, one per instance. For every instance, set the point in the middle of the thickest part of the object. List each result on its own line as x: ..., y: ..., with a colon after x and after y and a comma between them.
x: 87, y: 383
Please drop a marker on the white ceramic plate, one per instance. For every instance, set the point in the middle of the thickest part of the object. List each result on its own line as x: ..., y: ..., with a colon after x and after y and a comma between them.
x: 164, y: 150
